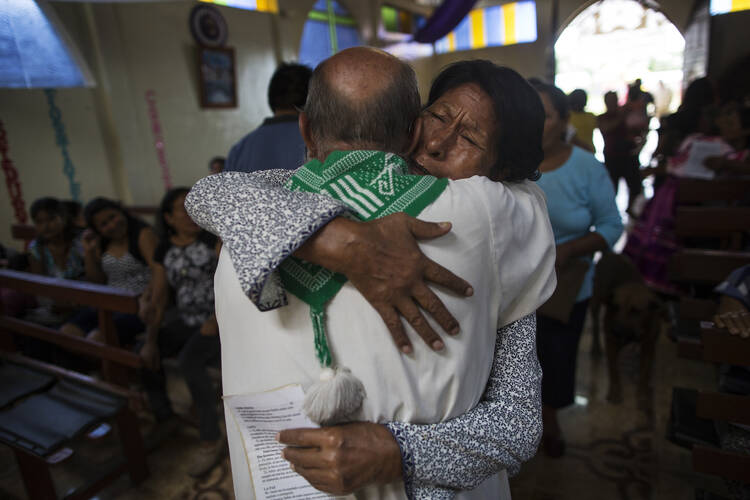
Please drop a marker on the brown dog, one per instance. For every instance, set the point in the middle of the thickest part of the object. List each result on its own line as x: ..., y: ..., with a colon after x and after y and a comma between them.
x: 633, y: 313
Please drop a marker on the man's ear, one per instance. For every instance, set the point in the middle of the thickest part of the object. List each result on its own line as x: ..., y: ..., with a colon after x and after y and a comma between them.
x: 416, y: 134
x: 304, y: 130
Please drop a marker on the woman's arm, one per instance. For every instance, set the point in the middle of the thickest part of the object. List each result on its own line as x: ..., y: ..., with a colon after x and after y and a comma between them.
x: 261, y: 223
x: 605, y: 217
x: 501, y: 432
x: 152, y: 316
x: 92, y: 257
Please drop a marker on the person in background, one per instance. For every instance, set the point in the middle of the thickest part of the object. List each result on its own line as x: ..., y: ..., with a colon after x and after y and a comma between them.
x: 118, y: 252
x: 216, y: 164
x: 57, y: 250
x: 620, y: 150
x: 185, y: 262
x: 74, y: 211
x: 583, y: 121
x: 277, y: 142
x: 578, y: 198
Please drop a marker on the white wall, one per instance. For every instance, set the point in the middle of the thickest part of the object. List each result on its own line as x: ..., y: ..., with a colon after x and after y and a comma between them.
x: 135, y: 47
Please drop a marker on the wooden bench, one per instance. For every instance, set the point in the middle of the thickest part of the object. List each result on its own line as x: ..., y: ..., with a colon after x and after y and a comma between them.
x: 718, y: 346
x: 117, y: 366
x: 705, y: 267
x: 725, y: 224
x: 697, y: 191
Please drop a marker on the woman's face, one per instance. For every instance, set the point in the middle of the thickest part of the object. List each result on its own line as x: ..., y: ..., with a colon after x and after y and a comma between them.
x: 48, y: 225
x: 179, y: 219
x: 111, y: 223
x: 458, y: 135
x: 729, y: 122
x: 554, y: 126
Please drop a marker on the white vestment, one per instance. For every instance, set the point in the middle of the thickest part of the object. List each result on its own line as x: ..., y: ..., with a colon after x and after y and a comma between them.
x: 501, y: 243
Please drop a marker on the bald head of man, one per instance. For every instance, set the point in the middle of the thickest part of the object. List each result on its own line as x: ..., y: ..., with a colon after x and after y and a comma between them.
x: 360, y: 98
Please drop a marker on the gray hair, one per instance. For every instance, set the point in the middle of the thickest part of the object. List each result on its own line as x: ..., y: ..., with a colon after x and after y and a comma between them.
x: 382, y: 121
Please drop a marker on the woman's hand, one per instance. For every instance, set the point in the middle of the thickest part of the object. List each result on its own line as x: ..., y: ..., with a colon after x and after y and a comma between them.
x: 562, y: 255
x: 383, y: 261
x: 149, y: 354
x: 90, y: 243
x: 733, y: 316
x: 715, y: 163
x: 210, y: 327
x: 343, y: 458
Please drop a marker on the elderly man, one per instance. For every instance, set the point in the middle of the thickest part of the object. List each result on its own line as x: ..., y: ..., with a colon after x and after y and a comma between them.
x: 351, y: 87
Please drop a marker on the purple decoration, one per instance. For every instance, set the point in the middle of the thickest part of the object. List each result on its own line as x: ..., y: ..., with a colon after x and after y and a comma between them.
x: 443, y: 20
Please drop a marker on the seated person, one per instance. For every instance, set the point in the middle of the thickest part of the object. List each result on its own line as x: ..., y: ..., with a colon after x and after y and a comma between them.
x: 494, y: 223
x: 118, y: 252
x: 184, y: 265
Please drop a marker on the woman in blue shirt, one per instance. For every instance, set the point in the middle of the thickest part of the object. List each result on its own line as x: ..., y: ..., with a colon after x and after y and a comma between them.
x: 584, y: 217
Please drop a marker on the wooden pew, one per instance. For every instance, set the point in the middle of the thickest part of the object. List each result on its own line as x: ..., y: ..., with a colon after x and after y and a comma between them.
x: 117, y: 364
x: 115, y: 361
x: 727, y: 224
x: 697, y: 191
x: 705, y: 267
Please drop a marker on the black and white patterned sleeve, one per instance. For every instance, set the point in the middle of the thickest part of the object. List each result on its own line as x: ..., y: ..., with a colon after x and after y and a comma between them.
x: 501, y: 432
x: 260, y: 223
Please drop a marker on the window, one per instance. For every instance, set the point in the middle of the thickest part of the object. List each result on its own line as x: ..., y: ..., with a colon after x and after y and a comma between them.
x: 492, y: 26
x: 726, y: 6
x: 259, y: 5
x: 329, y: 29
x: 32, y: 51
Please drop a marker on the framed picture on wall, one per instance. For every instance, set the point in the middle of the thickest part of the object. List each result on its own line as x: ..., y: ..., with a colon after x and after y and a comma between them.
x: 218, y: 84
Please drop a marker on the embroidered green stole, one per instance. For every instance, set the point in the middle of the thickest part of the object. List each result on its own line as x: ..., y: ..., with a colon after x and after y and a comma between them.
x: 372, y: 184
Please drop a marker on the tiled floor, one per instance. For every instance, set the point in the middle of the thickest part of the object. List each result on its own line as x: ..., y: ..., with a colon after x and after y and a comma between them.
x: 614, y: 451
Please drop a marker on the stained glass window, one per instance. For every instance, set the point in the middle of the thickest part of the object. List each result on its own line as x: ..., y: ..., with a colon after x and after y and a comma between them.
x: 329, y: 29
x: 492, y: 26
x: 259, y: 5
x: 726, y: 6
x: 32, y: 51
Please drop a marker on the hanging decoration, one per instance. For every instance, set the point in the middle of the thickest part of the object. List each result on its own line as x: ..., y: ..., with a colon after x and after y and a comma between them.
x: 161, y: 154
x: 443, y: 20
x: 61, y: 139
x: 11, y: 179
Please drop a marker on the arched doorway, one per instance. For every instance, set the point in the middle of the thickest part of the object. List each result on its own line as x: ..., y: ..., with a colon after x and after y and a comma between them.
x: 609, y: 45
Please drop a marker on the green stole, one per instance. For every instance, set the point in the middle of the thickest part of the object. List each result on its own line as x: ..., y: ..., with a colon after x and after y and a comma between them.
x: 372, y: 184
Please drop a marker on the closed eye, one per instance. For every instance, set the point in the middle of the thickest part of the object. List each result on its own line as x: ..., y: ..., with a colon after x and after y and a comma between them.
x: 435, y: 115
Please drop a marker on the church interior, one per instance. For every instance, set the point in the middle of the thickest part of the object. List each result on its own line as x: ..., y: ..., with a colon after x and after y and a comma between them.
x: 108, y: 105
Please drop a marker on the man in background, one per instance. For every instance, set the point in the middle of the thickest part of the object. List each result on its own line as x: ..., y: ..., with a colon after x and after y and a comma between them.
x: 583, y: 121
x: 277, y: 143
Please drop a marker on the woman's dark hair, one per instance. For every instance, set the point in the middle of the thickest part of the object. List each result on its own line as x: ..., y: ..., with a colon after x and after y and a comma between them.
x: 518, y: 110
x: 557, y: 97
x: 134, y: 224
x: 699, y: 97
x: 53, y: 206
x: 167, y: 203
x: 165, y: 230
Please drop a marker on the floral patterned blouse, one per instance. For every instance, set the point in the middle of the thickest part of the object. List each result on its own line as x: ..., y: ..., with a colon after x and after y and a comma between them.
x: 190, y: 274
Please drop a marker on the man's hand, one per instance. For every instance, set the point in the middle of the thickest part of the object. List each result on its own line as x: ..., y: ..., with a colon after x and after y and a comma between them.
x: 383, y: 261
x: 343, y: 458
